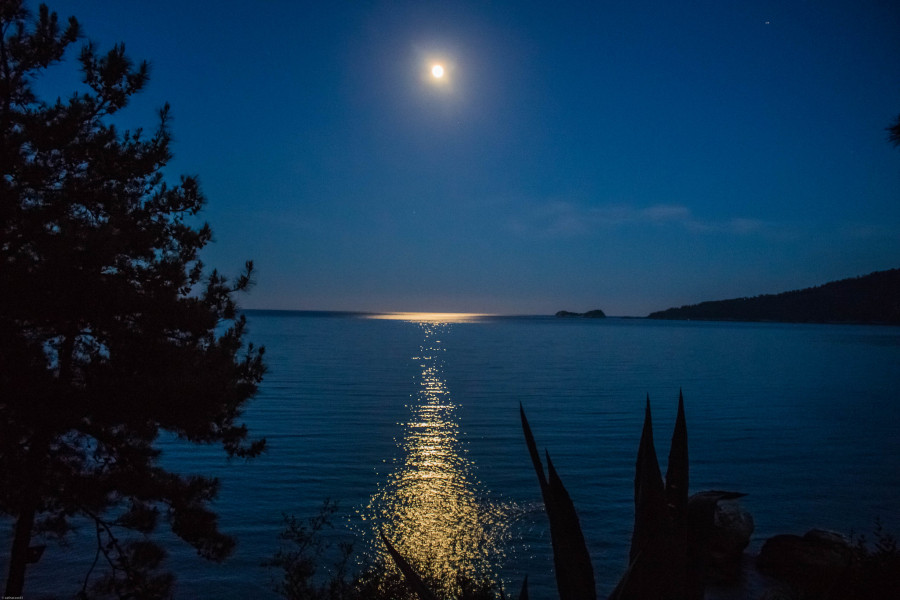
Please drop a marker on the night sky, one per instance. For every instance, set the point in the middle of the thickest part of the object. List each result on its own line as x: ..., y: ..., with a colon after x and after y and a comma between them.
x: 628, y: 156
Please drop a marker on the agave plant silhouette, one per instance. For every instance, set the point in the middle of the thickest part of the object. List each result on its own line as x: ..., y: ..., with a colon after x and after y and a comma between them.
x: 660, y: 566
x: 668, y: 553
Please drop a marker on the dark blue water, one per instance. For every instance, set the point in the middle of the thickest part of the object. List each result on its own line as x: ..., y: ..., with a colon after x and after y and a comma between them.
x: 415, y: 426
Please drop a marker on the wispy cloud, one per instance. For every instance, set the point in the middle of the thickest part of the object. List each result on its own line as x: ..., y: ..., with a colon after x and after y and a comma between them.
x: 562, y: 218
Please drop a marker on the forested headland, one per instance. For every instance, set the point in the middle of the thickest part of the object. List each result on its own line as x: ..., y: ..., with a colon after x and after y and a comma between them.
x: 873, y: 298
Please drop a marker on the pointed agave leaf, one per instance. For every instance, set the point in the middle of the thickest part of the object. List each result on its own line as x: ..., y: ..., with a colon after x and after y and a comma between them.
x: 625, y: 588
x: 533, y: 452
x: 650, y: 510
x: 573, y: 566
x: 413, y: 580
x: 523, y: 595
x: 647, y: 476
x: 660, y: 563
x: 572, y: 563
x: 676, y: 540
x: 678, y: 472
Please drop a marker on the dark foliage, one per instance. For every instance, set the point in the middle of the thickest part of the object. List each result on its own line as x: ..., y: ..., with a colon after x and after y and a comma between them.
x: 300, y: 559
x: 873, y: 298
x: 110, y: 332
x: 877, y: 569
x: 894, y: 132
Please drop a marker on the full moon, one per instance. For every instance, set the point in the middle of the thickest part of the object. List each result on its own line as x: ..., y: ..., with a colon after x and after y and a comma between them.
x: 437, y: 71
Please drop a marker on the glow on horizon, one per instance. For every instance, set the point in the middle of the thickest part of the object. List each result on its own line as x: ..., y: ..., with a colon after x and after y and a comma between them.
x: 431, y: 317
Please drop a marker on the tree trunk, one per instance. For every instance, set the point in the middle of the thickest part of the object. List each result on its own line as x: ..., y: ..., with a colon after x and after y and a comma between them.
x: 31, y: 481
x: 34, y: 464
x: 15, y: 581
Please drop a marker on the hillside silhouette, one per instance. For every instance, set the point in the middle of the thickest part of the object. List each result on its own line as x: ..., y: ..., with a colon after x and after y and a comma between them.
x: 873, y: 298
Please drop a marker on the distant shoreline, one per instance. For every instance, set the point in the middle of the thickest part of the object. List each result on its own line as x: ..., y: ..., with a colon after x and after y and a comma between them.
x: 541, y: 317
x: 873, y: 299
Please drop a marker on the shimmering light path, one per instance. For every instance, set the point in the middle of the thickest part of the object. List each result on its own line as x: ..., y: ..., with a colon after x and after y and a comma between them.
x: 432, y: 507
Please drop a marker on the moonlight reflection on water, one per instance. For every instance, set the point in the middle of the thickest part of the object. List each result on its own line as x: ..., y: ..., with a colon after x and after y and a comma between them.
x: 432, y: 508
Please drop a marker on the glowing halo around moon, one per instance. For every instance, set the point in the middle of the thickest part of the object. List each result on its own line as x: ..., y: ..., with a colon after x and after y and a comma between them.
x: 438, y: 72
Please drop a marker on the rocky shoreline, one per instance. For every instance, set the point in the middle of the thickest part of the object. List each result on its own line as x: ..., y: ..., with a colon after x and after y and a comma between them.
x: 819, y: 564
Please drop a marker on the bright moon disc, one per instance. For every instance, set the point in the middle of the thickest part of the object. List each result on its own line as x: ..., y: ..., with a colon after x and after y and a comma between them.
x: 437, y: 71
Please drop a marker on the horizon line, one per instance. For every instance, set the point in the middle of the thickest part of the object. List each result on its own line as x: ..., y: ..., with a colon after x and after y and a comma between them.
x: 423, y: 315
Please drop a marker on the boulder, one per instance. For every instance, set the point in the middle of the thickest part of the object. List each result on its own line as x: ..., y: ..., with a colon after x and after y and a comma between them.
x: 731, y: 533
x: 812, y: 564
x: 720, y: 530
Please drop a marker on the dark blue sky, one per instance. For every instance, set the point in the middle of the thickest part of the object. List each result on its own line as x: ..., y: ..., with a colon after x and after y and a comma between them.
x: 629, y: 156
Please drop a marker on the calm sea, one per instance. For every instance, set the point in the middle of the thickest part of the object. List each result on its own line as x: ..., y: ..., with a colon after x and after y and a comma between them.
x: 412, y: 425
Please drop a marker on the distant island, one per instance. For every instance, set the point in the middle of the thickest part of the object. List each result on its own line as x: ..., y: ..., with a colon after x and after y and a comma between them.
x: 873, y: 298
x: 591, y: 314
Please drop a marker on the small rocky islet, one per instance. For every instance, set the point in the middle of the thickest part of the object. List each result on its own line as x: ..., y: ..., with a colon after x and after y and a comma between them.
x: 591, y: 314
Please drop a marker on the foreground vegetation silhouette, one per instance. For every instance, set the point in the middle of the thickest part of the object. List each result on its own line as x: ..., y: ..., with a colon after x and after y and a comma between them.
x: 669, y: 546
x: 679, y: 544
x: 110, y: 331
